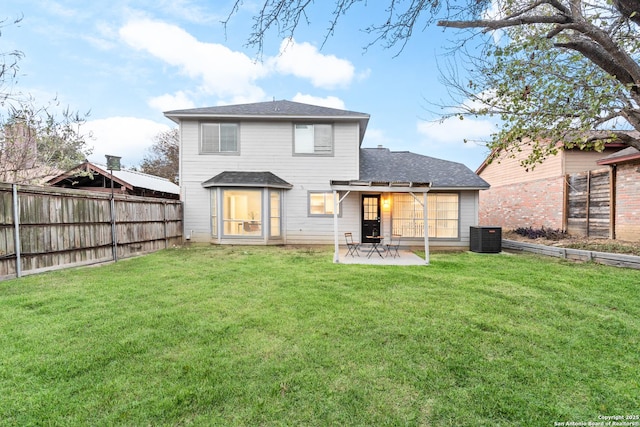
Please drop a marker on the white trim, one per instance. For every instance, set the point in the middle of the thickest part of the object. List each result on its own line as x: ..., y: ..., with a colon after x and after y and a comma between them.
x: 336, y: 203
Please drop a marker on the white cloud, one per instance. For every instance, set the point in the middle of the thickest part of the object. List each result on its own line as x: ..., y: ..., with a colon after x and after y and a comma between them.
x: 303, y: 60
x: 190, y: 11
x: 329, y: 101
x: 222, y: 72
x: 377, y: 137
x: 55, y: 8
x: 167, y: 102
x: 126, y: 137
x: 455, y: 131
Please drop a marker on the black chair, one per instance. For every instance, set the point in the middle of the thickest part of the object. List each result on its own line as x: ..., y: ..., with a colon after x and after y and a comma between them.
x: 352, y: 247
x: 393, y: 245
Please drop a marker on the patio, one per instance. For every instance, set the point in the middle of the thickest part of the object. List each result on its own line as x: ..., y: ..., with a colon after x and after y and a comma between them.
x: 406, y: 257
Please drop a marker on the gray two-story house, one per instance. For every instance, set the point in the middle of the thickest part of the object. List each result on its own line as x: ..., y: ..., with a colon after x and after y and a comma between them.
x: 283, y: 172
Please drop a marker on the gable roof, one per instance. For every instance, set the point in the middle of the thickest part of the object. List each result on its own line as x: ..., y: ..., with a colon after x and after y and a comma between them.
x: 383, y: 165
x: 272, y: 110
x: 620, y: 140
x: 627, y: 155
x: 130, y: 179
x: 246, y: 179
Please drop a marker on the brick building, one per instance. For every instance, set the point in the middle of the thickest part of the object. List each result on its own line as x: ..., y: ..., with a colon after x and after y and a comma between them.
x: 625, y: 170
x: 538, y: 197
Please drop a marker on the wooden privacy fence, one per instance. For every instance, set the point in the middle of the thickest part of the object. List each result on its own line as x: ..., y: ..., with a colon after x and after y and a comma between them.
x: 58, y: 228
x: 589, y: 203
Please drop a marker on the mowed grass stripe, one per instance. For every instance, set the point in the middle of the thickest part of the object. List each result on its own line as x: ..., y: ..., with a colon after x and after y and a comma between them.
x: 281, y: 336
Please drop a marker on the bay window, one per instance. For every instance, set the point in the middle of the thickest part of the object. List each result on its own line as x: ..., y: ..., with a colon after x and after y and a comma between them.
x: 242, y: 212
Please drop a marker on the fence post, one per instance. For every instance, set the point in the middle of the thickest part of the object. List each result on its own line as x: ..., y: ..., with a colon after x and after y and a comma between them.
x: 16, y: 228
x: 113, y: 228
x: 164, y: 221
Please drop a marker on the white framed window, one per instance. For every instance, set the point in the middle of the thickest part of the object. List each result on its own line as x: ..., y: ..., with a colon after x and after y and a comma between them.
x: 275, y: 201
x: 219, y: 138
x: 443, y: 215
x: 442, y: 210
x: 214, y: 212
x: 242, y: 212
x: 321, y: 203
x: 314, y: 139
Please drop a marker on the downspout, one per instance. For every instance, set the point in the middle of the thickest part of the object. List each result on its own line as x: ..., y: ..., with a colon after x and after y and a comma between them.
x: 16, y: 229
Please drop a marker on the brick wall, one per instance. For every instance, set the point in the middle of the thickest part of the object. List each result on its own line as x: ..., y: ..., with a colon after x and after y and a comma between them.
x: 526, y: 204
x: 628, y: 201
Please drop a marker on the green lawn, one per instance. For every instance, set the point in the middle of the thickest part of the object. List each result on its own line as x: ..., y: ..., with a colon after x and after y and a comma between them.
x: 273, y: 336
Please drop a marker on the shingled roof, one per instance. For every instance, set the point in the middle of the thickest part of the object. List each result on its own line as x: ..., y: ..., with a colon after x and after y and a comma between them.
x: 86, y: 174
x: 246, y: 179
x: 283, y: 109
x: 383, y: 165
x: 626, y: 155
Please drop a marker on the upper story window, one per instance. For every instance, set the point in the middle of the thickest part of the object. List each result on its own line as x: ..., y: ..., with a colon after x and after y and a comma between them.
x: 219, y: 138
x: 313, y: 139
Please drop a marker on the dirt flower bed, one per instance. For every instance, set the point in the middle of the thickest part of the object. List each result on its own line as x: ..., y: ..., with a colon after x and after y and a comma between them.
x: 599, y: 245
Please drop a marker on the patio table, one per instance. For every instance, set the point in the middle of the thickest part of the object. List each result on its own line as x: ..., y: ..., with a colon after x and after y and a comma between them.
x: 375, y: 245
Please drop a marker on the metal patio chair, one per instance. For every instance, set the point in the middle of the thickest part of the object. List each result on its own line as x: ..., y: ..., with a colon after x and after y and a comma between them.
x: 352, y: 247
x: 393, y: 245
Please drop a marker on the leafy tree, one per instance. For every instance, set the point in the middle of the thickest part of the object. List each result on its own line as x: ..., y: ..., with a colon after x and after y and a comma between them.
x: 554, y: 71
x: 36, y: 142
x: 164, y: 156
x: 9, y: 68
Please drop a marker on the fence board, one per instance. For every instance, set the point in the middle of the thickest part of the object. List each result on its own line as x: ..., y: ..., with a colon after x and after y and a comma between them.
x: 61, y: 228
x: 589, y: 203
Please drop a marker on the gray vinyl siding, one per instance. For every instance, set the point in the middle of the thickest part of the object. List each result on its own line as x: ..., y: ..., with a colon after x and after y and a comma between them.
x: 268, y: 146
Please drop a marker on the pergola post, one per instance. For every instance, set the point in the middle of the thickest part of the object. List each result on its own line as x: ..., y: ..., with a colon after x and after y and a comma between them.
x: 336, y: 253
x: 426, y: 229
x: 336, y: 203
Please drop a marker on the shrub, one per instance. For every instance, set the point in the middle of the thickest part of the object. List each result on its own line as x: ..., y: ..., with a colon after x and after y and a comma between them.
x: 537, y: 233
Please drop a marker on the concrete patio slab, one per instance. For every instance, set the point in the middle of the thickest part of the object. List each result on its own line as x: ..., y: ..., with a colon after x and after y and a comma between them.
x: 405, y: 257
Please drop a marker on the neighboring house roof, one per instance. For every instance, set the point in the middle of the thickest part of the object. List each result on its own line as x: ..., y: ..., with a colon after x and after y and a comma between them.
x: 626, y: 155
x: 282, y: 109
x: 132, y: 180
x: 619, y: 142
x: 383, y: 165
x: 247, y: 179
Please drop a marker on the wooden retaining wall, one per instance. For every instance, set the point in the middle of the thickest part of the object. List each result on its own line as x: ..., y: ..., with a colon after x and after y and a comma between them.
x: 60, y: 228
x: 616, y: 260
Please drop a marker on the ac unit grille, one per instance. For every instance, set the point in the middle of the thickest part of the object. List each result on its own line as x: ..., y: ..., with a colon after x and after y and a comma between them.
x: 485, y: 239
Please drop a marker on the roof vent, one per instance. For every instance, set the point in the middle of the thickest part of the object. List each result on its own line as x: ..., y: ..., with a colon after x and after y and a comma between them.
x: 380, y: 146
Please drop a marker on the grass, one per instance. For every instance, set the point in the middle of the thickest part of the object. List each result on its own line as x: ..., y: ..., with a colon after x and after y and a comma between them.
x: 274, y: 336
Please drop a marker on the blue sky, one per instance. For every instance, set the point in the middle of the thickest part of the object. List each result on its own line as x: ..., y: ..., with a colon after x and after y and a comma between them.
x: 128, y: 61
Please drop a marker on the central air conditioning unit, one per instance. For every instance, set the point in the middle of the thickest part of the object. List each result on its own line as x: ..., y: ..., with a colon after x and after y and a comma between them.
x: 486, y: 240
